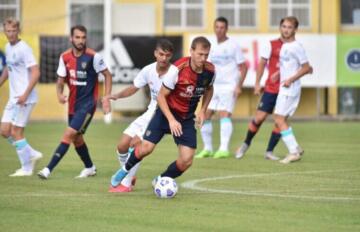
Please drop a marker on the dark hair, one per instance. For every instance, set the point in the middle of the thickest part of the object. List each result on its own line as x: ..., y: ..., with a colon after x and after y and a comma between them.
x: 165, y: 45
x: 223, y: 20
x: 78, y: 27
x: 204, y: 42
x: 291, y: 19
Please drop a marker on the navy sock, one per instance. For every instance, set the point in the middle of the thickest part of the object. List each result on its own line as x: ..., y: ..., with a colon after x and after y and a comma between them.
x: 59, y: 153
x: 132, y: 160
x: 253, y: 128
x: 83, y: 152
x: 273, y: 141
x: 172, y: 171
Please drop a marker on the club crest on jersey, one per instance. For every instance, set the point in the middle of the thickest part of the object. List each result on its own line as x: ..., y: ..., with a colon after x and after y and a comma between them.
x: 188, y: 91
x: 83, y: 65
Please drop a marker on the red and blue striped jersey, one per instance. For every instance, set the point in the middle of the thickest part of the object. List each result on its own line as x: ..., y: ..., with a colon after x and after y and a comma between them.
x: 187, y: 87
x: 81, y: 76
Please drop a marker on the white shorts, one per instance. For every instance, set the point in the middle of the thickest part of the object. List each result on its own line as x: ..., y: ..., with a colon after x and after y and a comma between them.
x: 17, y: 115
x: 286, y: 105
x: 222, y: 100
x: 139, y: 125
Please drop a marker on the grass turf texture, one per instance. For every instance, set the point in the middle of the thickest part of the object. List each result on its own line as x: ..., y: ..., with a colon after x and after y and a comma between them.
x: 319, y: 193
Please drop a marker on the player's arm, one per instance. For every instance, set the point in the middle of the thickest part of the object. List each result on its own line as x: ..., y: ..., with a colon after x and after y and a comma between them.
x: 4, y: 76
x: 243, y: 71
x: 108, y: 86
x: 60, y: 90
x: 205, y: 103
x: 259, y: 73
x: 305, y: 69
x: 127, y: 92
x: 175, y: 126
x: 34, y: 78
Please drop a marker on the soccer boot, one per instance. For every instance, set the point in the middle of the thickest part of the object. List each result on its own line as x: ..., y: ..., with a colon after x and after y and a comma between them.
x: 21, y: 172
x: 204, y: 154
x: 118, y: 177
x: 240, y: 152
x: 44, y: 173
x: 270, y: 156
x: 292, y: 157
x: 120, y: 189
x: 86, y: 172
x: 221, y: 154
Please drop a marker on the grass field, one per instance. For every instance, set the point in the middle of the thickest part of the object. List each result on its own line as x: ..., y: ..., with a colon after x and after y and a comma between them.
x: 319, y: 193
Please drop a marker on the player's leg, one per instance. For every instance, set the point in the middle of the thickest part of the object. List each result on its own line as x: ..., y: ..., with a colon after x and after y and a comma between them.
x: 26, y: 153
x: 273, y: 141
x: 130, y: 179
x: 285, y: 107
x: 206, y: 135
x: 124, y: 143
x: 181, y: 164
x: 5, y: 130
x: 83, y: 152
x: 226, y: 129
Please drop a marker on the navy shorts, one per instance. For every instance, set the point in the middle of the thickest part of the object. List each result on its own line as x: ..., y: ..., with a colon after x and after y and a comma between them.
x: 159, y: 126
x: 267, y: 102
x: 80, y: 120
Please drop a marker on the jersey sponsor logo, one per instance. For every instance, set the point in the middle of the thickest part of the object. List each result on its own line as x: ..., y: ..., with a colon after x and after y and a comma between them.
x: 78, y: 74
x: 353, y: 60
x: 78, y: 83
x: 188, y: 91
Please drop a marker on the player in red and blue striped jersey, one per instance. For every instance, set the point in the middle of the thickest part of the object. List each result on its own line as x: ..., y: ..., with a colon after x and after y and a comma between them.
x: 79, y: 68
x: 177, y: 101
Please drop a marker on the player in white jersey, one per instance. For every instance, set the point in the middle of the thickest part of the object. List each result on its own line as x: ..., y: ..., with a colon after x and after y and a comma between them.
x: 293, y: 65
x: 151, y: 75
x: 23, y: 73
x: 231, y: 71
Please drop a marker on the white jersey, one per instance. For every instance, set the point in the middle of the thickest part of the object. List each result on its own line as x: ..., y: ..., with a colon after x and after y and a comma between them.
x: 149, y: 76
x: 292, y: 57
x: 19, y: 58
x: 226, y: 56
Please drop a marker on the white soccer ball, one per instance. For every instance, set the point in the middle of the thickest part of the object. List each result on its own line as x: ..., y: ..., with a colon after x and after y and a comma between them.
x: 165, y: 187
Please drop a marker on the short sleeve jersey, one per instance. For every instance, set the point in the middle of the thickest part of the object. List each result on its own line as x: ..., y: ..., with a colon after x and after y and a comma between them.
x: 292, y: 57
x: 187, y: 87
x: 271, y: 52
x: 81, y: 76
x: 19, y: 58
x: 226, y: 56
x: 149, y: 76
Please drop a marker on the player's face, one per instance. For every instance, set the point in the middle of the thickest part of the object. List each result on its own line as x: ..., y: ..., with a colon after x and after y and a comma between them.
x: 12, y: 33
x: 162, y: 57
x: 199, y: 56
x: 220, y: 30
x: 78, y: 40
x: 287, y: 30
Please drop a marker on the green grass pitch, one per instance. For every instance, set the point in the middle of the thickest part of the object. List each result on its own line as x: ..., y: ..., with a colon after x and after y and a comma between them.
x: 319, y: 193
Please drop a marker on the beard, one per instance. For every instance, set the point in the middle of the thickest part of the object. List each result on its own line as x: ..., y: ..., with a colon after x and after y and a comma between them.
x: 80, y: 46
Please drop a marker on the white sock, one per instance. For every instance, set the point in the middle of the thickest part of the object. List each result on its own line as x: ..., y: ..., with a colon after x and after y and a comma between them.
x: 289, y: 139
x: 226, y: 129
x: 206, y: 135
x: 127, y: 180
x: 23, y: 154
x: 122, y: 157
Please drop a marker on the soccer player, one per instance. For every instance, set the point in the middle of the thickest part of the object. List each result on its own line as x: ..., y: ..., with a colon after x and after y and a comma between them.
x: 177, y: 100
x: 23, y: 74
x: 79, y: 68
x: 229, y: 63
x: 151, y: 75
x: 293, y: 65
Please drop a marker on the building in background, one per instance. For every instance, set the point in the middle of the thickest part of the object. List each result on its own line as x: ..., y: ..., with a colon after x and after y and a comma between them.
x: 330, y: 27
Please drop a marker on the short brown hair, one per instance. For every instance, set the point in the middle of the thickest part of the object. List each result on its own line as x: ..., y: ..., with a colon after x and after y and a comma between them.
x: 78, y: 27
x: 222, y: 20
x: 204, y: 42
x: 291, y: 19
x: 11, y: 21
x: 165, y: 45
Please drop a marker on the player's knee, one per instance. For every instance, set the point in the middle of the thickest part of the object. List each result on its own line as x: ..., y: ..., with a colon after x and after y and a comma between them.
x: 122, y: 149
x: 146, y: 148
x: 78, y: 142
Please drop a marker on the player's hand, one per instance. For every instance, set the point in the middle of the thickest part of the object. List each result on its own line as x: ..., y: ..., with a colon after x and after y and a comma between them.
x: 199, y: 121
x: 275, y: 76
x: 175, y: 128
x: 112, y: 97
x: 237, y: 91
x: 106, y: 105
x: 257, y: 89
x: 287, y: 83
x: 62, y: 98
x: 21, y: 99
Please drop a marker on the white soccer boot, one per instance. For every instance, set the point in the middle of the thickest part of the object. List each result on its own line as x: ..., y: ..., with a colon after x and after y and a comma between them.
x: 240, y: 152
x: 44, y: 173
x: 270, y: 156
x: 292, y: 157
x: 86, y: 172
x: 21, y: 172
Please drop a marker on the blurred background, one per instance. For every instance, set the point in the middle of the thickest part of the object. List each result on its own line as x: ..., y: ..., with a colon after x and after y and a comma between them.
x: 125, y: 33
